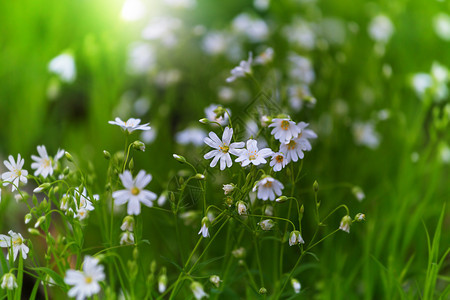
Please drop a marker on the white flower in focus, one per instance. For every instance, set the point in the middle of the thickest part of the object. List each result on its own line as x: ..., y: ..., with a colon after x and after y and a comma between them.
x: 16, y: 241
x: 296, y: 285
x: 345, y: 224
x: 441, y: 24
x: 204, y: 229
x: 223, y: 148
x: 9, y: 281
x: 134, y: 192
x: 265, y: 57
x: 242, y: 70
x: 365, y: 135
x: 268, y: 187
x: 127, y: 238
x: 228, y: 188
x: 64, y: 66
x: 216, y: 113
x: 278, y: 161
x: 381, y: 29
x: 44, y: 164
x: 16, y: 174
x: 85, y: 283
x: 266, y: 224
x: 197, y: 289
x: 130, y: 125
x: 252, y: 155
x: 284, y: 130
x: 295, y: 238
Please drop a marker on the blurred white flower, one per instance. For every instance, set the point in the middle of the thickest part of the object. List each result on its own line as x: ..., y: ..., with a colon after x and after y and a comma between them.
x: 204, y: 229
x: 242, y: 70
x: 228, y: 188
x: 215, y: 279
x: 381, y: 29
x: 241, y: 208
x: 16, y: 174
x: 223, y: 148
x: 127, y: 238
x: 163, y: 29
x: 216, y: 42
x: 130, y: 125
x: 168, y: 77
x: 44, y: 164
x: 181, y: 3
x: 9, y: 281
x: 134, y: 192
x: 149, y: 136
x: 16, y: 241
x: 300, y: 33
x: 254, y: 28
x: 133, y: 10
x: 365, y: 135
x: 261, y: 4
x: 252, y: 154
x: 63, y: 65
x: 296, y: 285
x: 358, y: 193
x: 141, y: 58
x: 212, y: 114
x: 268, y: 188
x: 197, y: 289
x: 85, y: 283
x: 127, y: 224
x: 266, y: 224
x: 441, y: 24
x: 301, y: 69
x: 300, y: 94
x: 265, y: 57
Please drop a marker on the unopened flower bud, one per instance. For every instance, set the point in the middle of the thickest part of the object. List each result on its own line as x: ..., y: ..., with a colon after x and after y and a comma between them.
x: 199, y: 176
x: 41, y: 187
x: 229, y: 201
x: 153, y: 266
x: 68, y: 156
x: 138, y: 145
x: 316, y: 186
x: 204, y: 121
x: 33, y: 231
x: 281, y: 199
x: 266, y: 121
x: 204, y: 229
x: 345, y: 224
x: 180, y: 158
x: 27, y: 218
x: 214, y: 279
x: 106, y: 154
x: 162, y: 281
x: 131, y: 164
x: 262, y: 291
x: 127, y: 224
x: 39, y: 222
x: 296, y: 285
x: 66, y: 171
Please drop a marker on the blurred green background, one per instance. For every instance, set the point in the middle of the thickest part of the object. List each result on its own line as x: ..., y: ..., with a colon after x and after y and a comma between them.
x: 405, y: 178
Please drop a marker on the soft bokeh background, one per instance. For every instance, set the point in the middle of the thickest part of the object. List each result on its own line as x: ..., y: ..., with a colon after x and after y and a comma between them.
x: 166, y: 61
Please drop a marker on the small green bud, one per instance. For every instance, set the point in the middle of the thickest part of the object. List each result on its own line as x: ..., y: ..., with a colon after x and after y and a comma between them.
x: 229, y: 201
x: 106, y: 154
x: 153, y: 266
x: 39, y: 222
x: 316, y: 186
x: 68, y: 156
x: 204, y: 121
x: 199, y: 176
x: 302, y: 209
x: 135, y: 253
x: 138, y: 145
x: 281, y: 199
x: 262, y: 291
x: 27, y: 218
x: 180, y: 158
x: 66, y: 171
x: 33, y: 231
x: 131, y: 164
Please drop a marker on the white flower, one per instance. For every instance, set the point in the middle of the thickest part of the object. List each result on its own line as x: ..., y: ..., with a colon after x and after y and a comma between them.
x: 441, y: 24
x: 197, y: 289
x: 294, y: 149
x: 204, y: 230
x: 298, y: 94
x: 162, y: 282
x: 242, y: 70
x: 284, y: 130
x: 127, y: 224
x: 127, y: 238
x: 252, y: 154
x: 9, y: 281
x: 16, y: 174
x: 296, y: 285
x: 85, y: 283
x: 134, y: 192
x: 16, y: 241
x: 365, y: 135
x: 265, y: 57
x: 255, y: 29
x: 228, y: 188
x: 345, y: 224
x: 295, y: 238
x: 301, y: 69
x: 278, y: 161
x: 360, y: 217
x: 130, y: 125
x: 239, y: 252
x: 266, y: 224
x: 191, y: 135
x: 268, y: 187
x: 223, y: 148
x: 215, y: 279
x: 241, y: 208
x: 43, y: 164
x: 83, y: 204
x: 359, y: 193
x: 381, y: 28
x: 64, y: 66
x: 216, y: 113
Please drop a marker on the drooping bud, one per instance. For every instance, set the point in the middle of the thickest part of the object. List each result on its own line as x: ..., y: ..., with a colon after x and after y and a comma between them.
x: 68, y: 156
x: 106, y: 154
x: 241, y: 208
x: 214, y: 279
x: 266, y: 224
x: 360, y: 217
x: 127, y: 224
x: 295, y: 238
x: 138, y: 145
x: 9, y: 281
x: 281, y: 199
x: 228, y: 188
x: 180, y: 158
x: 345, y: 224
x: 199, y: 176
x: 27, y: 218
x: 39, y: 222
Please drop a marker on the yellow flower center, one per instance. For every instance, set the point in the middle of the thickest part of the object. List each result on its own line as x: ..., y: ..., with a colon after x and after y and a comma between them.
x: 46, y: 163
x: 291, y: 145
x: 88, y: 279
x: 279, y: 158
x: 284, y: 125
x: 224, y: 148
x: 17, y: 242
x: 135, y: 191
x: 268, y: 184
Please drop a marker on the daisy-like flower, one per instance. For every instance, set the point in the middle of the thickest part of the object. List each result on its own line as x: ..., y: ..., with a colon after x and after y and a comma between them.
x: 265, y: 57
x: 83, y: 204
x: 278, y: 161
x: 204, y: 230
x: 85, y: 283
x: 223, y: 148
x: 16, y: 174
x: 268, y: 188
x: 284, y: 129
x: 197, y: 289
x: 9, y: 281
x: 16, y: 241
x: 266, y: 224
x: 252, y: 154
x: 242, y: 70
x: 130, y: 125
x: 134, y: 192
x: 43, y: 164
x: 295, y: 238
x: 345, y: 224
x: 295, y: 147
